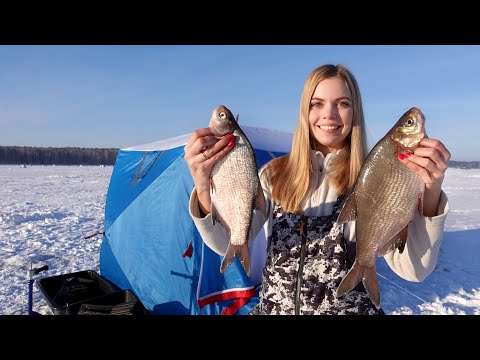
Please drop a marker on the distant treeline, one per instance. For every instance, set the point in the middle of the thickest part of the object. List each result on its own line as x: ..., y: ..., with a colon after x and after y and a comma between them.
x: 100, y: 156
x: 464, y: 164
x: 57, y: 156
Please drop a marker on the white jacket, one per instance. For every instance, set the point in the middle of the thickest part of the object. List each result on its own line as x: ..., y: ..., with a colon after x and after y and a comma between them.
x: 417, y: 261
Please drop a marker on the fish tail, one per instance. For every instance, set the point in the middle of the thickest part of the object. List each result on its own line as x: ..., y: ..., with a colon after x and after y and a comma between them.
x: 368, y: 276
x: 240, y: 251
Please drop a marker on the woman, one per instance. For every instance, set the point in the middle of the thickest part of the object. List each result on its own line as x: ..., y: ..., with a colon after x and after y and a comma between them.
x: 307, y: 186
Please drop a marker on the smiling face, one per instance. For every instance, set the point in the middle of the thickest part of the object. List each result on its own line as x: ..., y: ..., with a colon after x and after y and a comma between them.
x: 330, y: 116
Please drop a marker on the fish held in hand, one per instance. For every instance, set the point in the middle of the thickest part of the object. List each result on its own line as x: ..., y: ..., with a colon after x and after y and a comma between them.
x: 383, y: 202
x: 235, y: 188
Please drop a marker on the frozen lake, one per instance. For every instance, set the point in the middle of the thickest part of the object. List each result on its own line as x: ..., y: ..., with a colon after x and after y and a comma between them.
x: 47, y: 211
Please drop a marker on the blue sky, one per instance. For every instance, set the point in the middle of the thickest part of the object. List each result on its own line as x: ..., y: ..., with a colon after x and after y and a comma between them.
x: 120, y: 96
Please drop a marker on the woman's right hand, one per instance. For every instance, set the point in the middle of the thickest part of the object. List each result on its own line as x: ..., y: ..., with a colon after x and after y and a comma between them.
x: 202, y: 151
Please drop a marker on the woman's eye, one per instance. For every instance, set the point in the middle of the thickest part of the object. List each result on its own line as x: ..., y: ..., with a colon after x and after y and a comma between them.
x: 344, y: 104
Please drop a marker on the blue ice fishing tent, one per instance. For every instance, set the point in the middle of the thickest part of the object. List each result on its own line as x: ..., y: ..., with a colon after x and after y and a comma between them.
x: 151, y: 245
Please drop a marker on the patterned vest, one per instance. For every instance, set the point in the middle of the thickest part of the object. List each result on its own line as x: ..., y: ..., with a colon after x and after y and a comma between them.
x: 307, y: 258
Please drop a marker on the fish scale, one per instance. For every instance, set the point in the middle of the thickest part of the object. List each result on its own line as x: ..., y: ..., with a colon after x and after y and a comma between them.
x: 234, y: 192
x: 235, y: 189
x: 396, y: 188
x: 383, y: 202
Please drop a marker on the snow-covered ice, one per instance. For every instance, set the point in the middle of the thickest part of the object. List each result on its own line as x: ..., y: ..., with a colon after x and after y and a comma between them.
x: 47, y: 211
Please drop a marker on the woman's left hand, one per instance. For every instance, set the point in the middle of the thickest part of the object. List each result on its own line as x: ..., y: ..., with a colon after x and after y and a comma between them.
x: 429, y: 161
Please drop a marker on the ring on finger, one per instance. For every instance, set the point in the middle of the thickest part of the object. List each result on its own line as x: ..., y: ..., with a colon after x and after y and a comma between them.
x: 204, y: 155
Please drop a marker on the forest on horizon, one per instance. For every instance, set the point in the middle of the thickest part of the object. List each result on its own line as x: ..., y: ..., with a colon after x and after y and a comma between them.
x: 57, y: 156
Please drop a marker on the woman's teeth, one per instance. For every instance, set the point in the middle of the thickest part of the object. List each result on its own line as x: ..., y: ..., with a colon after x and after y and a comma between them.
x: 323, y: 127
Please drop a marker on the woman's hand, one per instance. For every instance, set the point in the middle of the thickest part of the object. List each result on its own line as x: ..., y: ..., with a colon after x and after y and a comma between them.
x: 429, y: 161
x: 202, y: 151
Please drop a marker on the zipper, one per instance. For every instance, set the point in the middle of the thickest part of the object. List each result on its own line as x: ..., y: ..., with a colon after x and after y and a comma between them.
x: 303, y: 230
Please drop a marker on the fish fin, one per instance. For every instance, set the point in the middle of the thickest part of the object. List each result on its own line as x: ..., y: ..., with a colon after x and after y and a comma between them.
x: 240, y: 251
x: 214, y: 214
x: 216, y: 218
x: 370, y: 281
x: 236, y: 118
x: 353, y: 277
x: 349, y: 210
x: 397, y: 242
x: 368, y: 276
x: 260, y: 201
x: 213, y: 210
x: 212, y: 186
x: 403, y: 240
x: 420, y: 200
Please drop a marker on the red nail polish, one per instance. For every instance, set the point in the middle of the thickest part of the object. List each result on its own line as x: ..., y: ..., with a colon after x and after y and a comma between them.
x: 230, y: 144
x: 230, y: 137
x: 407, y: 155
x: 401, y: 156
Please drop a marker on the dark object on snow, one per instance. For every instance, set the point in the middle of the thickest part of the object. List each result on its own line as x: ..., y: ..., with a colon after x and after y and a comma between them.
x: 31, y: 273
x: 61, y: 292
x: 119, y: 303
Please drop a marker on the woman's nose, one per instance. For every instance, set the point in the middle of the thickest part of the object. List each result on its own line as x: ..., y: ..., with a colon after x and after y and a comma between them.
x: 329, y: 111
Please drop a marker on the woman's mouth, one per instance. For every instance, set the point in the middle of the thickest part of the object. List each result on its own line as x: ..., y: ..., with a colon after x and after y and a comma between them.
x: 329, y: 128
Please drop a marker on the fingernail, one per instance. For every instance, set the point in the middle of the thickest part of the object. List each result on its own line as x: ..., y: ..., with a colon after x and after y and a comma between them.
x: 230, y: 144
x: 401, y: 156
x: 407, y: 155
x: 230, y: 137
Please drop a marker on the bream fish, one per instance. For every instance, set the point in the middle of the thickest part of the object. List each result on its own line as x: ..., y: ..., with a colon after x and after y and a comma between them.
x: 235, y: 188
x: 383, y: 202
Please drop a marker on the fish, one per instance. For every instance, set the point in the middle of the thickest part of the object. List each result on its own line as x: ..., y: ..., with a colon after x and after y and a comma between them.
x: 235, y: 188
x: 383, y: 202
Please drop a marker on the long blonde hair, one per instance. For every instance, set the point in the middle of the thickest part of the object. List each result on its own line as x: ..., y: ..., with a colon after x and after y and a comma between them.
x: 291, y: 176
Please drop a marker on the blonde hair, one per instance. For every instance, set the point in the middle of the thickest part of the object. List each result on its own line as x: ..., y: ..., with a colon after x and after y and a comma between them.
x: 291, y: 176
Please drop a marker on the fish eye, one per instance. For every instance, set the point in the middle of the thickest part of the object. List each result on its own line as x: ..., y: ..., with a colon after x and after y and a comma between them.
x: 409, y: 122
x: 222, y: 115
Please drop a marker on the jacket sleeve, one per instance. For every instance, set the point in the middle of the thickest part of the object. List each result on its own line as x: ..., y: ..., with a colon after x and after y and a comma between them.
x: 425, y: 234
x: 216, y: 236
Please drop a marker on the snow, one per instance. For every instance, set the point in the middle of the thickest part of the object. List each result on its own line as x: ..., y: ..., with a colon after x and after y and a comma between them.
x: 454, y: 286
x: 46, y: 213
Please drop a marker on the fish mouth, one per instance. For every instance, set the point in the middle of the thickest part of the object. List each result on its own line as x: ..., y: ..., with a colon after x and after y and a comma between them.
x: 219, y: 134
